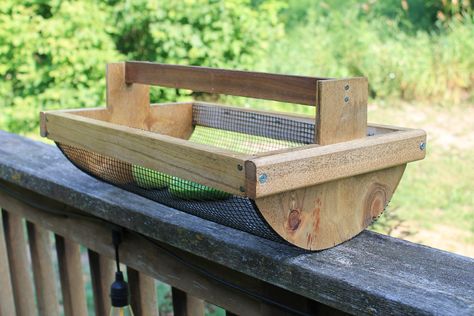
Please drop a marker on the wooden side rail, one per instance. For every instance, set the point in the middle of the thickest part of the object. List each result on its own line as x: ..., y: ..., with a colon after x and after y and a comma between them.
x: 42, y: 194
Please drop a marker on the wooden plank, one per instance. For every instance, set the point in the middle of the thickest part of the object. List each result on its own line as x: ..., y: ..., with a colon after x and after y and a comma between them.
x: 327, y: 214
x: 102, y: 275
x: 203, y: 164
x: 19, y: 266
x: 186, y: 305
x: 372, y: 266
x: 7, y: 302
x: 313, y: 165
x: 172, y: 119
x: 43, y: 273
x: 285, y: 88
x: 143, y: 293
x: 70, y: 272
x: 341, y: 113
x: 129, y: 104
x: 143, y: 255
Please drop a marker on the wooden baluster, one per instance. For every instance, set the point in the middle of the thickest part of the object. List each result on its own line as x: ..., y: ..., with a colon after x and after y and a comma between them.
x: 43, y: 273
x: 7, y: 303
x: 19, y: 265
x: 143, y: 293
x: 72, y: 283
x: 102, y: 275
x: 186, y: 305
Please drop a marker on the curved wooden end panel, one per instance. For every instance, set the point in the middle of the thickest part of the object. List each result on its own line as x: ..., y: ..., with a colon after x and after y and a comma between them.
x: 327, y: 214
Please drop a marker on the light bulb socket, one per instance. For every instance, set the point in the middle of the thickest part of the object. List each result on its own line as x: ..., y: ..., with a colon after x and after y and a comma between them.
x: 119, y: 292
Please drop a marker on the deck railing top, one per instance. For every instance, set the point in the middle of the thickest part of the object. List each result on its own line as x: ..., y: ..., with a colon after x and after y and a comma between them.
x: 370, y: 274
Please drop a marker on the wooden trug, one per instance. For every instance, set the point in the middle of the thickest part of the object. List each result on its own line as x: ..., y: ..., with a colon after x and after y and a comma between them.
x: 314, y: 196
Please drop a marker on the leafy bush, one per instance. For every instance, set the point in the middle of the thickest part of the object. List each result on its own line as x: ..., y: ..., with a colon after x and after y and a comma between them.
x: 52, y: 55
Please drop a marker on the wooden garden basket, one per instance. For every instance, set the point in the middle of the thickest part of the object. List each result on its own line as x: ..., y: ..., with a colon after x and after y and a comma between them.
x: 313, y: 182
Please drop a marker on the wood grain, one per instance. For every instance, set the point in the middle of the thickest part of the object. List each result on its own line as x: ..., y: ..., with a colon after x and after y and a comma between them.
x: 19, y: 266
x: 203, y: 164
x: 102, y: 276
x: 324, y: 215
x: 144, y: 298
x: 70, y: 273
x: 172, y: 119
x: 186, y: 305
x: 284, y: 88
x: 7, y: 302
x: 129, y: 104
x: 341, y: 113
x: 318, y: 164
x: 43, y: 273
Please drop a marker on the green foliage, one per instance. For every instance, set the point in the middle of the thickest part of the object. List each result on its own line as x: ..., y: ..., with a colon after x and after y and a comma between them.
x: 225, y: 34
x: 436, y: 65
x: 52, y: 55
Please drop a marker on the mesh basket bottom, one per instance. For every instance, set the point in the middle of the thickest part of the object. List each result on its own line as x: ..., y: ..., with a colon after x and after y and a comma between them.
x: 230, y: 210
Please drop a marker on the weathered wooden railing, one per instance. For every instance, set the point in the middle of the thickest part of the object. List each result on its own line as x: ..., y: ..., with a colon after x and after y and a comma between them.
x: 201, y: 260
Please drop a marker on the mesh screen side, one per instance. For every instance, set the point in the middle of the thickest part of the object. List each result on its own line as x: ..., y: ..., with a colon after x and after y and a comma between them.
x: 275, y: 130
x: 205, y: 202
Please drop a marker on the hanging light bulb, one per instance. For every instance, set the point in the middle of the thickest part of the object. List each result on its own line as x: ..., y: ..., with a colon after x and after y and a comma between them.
x: 119, y: 296
x: 119, y: 292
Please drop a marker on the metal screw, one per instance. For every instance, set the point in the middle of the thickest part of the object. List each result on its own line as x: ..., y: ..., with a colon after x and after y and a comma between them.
x: 240, y: 168
x: 346, y: 99
x: 242, y: 189
x: 346, y: 87
x: 263, y: 178
x: 422, y: 146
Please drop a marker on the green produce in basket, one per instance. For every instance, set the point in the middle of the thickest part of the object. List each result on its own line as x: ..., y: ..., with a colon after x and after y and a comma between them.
x: 149, y: 179
x: 188, y: 190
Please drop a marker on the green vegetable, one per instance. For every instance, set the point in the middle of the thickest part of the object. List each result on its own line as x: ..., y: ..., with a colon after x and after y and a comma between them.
x: 189, y: 190
x: 149, y: 179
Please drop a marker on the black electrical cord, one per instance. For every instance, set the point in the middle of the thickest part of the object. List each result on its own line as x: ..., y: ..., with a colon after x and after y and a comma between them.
x: 117, y: 238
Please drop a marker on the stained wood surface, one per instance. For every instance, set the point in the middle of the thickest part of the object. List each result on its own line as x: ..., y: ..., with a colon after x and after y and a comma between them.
x: 186, y: 305
x: 322, y: 216
x: 102, y: 275
x: 144, y: 298
x: 43, y: 270
x: 317, y: 164
x: 170, y: 265
x: 22, y: 283
x: 341, y: 113
x: 370, y: 272
x: 285, y: 88
x: 7, y: 303
x: 70, y: 273
x: 203, y: 164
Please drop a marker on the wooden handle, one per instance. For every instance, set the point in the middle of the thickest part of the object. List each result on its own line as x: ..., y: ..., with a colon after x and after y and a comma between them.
x: 259, y: 85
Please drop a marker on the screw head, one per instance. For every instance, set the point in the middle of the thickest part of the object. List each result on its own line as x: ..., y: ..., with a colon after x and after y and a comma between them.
x: 346, y: 87
x: 263, y: 178
x: 422, y: 146
x: 346, y: 99
x: 239, y: 167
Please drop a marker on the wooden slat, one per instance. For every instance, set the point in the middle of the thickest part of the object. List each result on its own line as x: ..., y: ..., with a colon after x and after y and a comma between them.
x: 102, y: 276
x: 140, y: 254
x: 204, y: 164
x: 143, y: 293
x: 341, y: 113
x: 43, y: 273
x: 7, y: 302
x: 129, y: 104
x: 185, y: 304
x: 19, y: 265
x: 313, y: 165
x: 70, y: 272
x: 285, y: 88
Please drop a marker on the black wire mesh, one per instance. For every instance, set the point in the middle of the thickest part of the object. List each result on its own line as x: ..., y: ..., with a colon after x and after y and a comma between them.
x: 237, y: 130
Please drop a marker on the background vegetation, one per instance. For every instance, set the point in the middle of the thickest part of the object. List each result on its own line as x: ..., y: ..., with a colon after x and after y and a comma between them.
x: 417, y: 54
